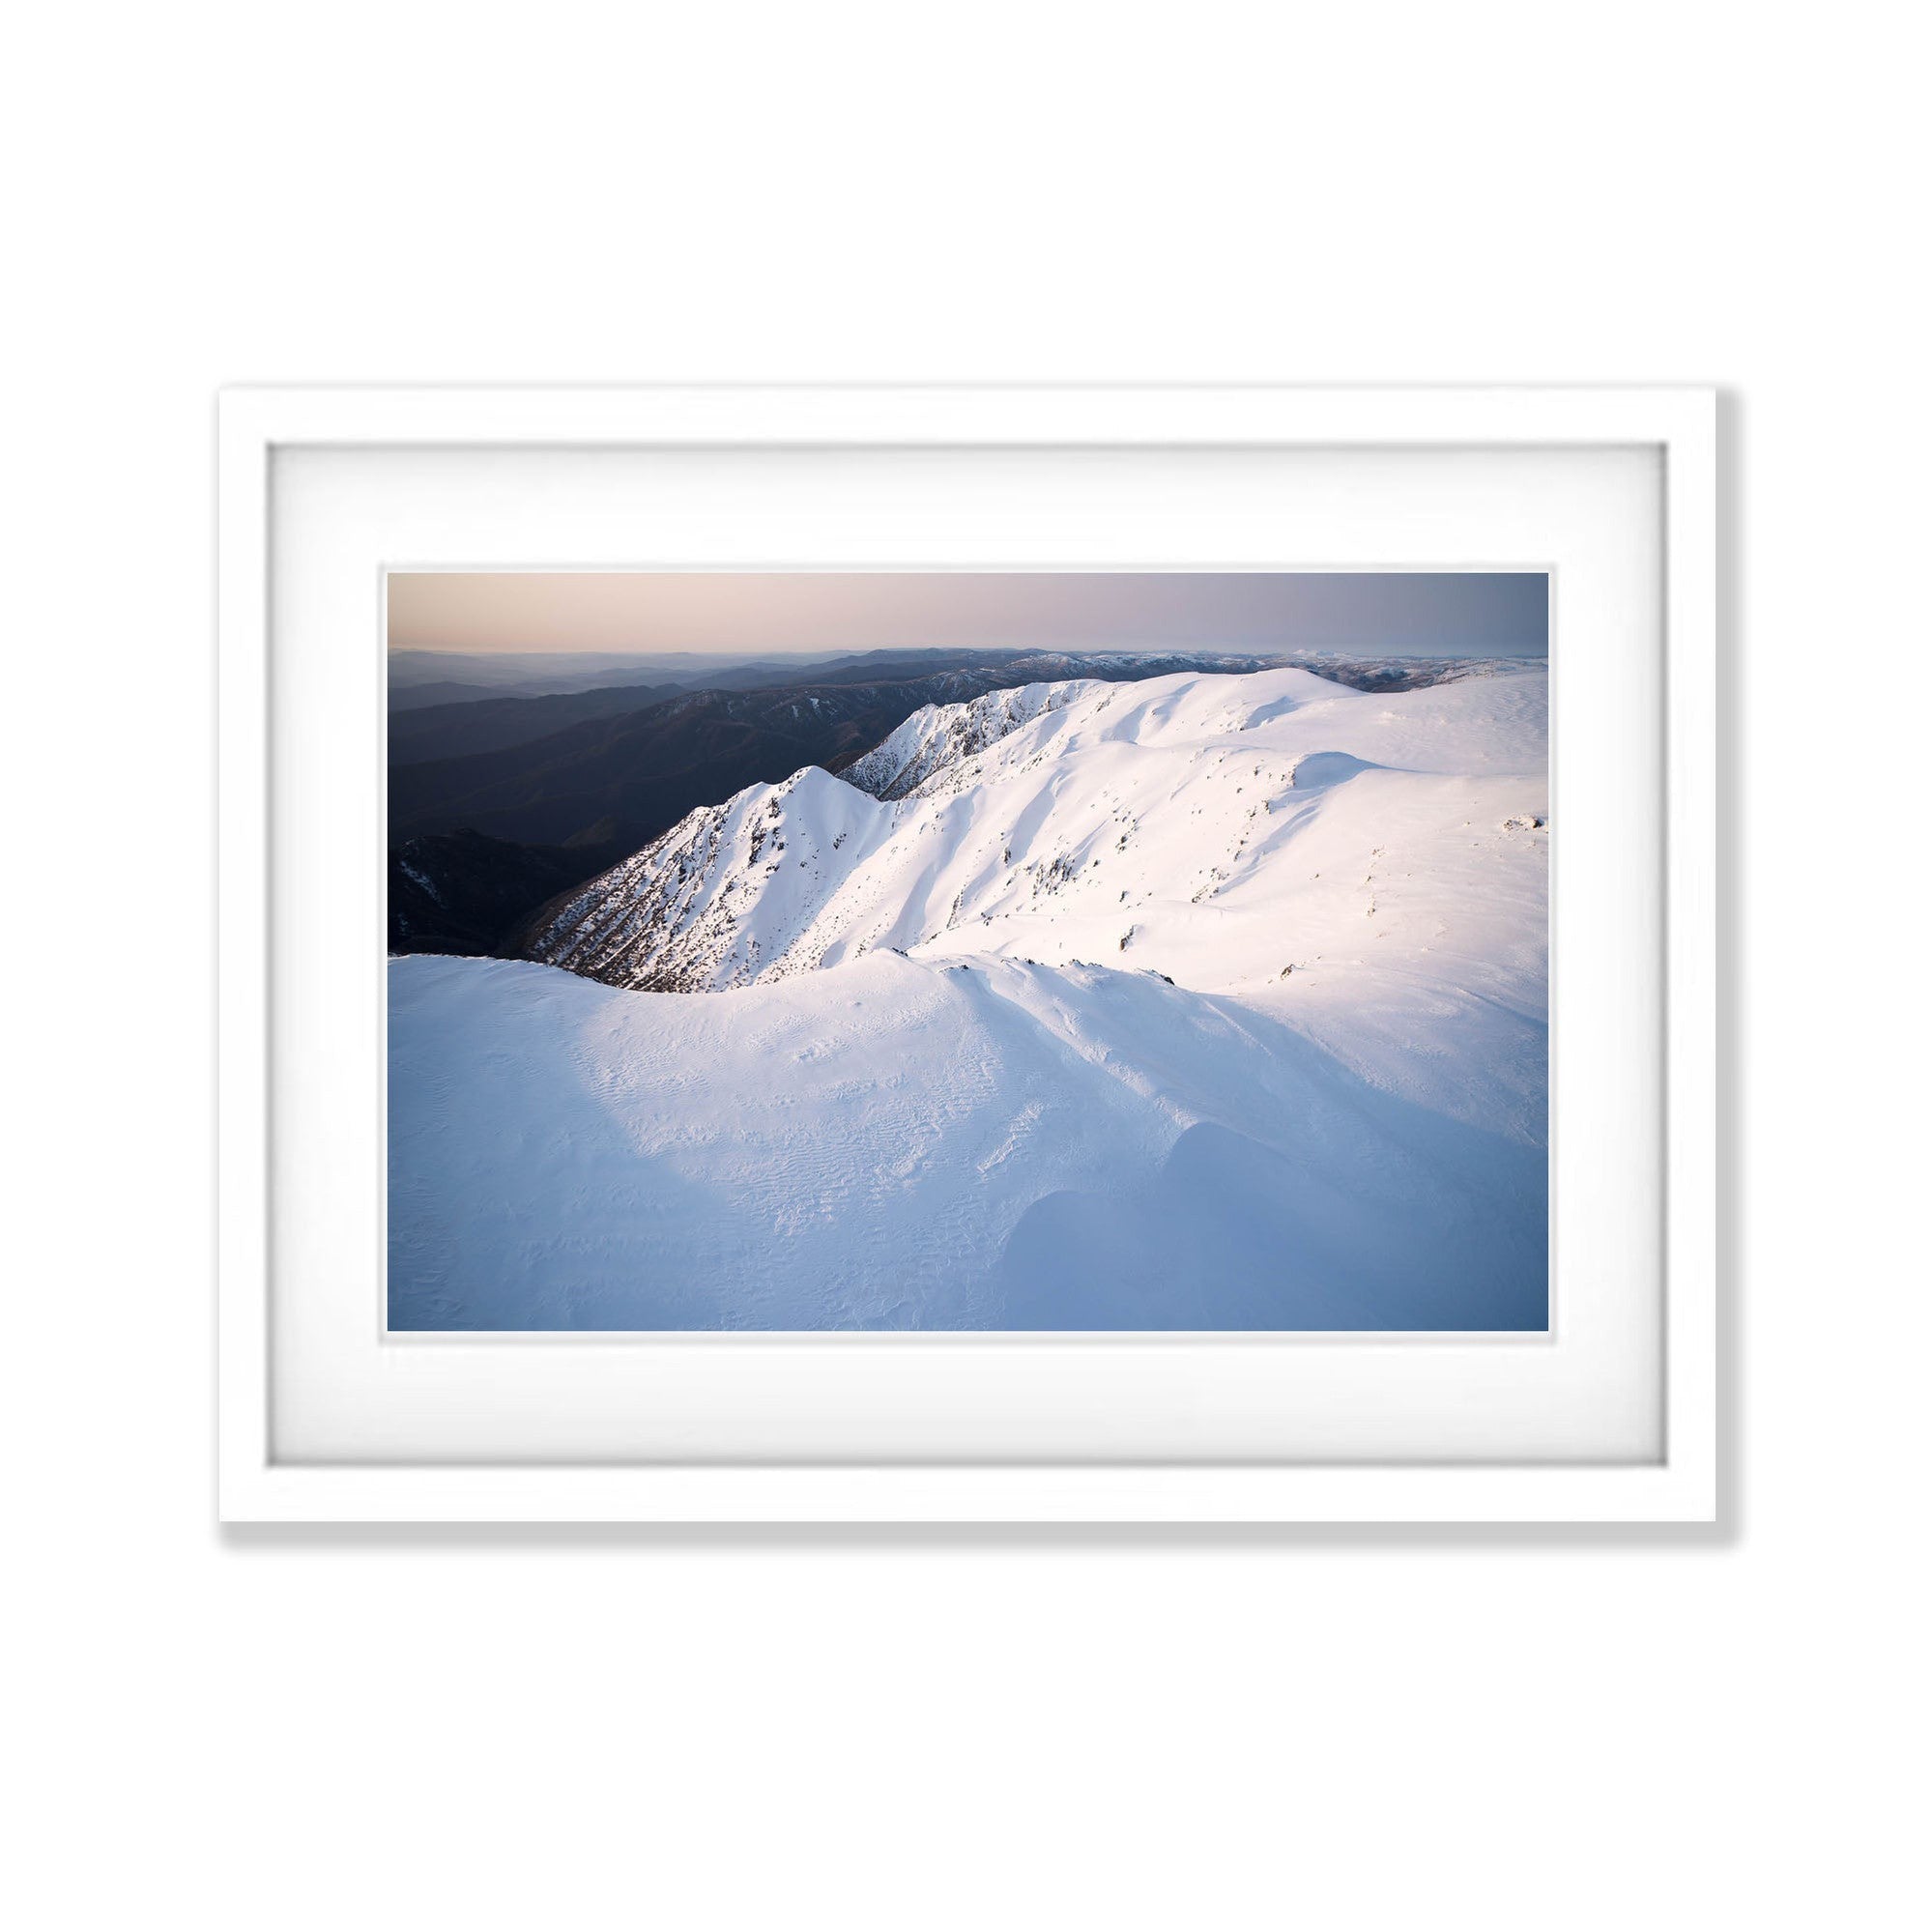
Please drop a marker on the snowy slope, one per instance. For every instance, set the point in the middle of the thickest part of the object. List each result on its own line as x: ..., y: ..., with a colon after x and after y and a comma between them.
x: 942, y: 737
x: 1208, y: 1001
x: 895, y: 1146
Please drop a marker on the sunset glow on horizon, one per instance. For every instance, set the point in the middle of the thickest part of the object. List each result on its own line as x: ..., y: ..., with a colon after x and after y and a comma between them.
x: 749, y: 612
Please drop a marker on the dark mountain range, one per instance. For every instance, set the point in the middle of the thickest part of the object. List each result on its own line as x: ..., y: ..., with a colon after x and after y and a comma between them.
x: 444, y: 691
x: 451, y: 720
x: 477, y: 842
x: 460, y: 892
x: 633, y: 776
x: 490, y: 722
x: 537, y: 673
x: 466, y: 718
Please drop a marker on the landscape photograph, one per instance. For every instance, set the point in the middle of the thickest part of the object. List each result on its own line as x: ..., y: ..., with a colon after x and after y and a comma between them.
x: 968, y: 951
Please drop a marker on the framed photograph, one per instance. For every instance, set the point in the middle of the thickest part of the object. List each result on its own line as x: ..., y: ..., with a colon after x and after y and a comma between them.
x: 969, y: 955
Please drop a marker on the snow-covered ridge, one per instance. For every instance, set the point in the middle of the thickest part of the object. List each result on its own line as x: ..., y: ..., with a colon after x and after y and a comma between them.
x: 939, y: 739
x: 1273, y: 835
x: 722, y: 898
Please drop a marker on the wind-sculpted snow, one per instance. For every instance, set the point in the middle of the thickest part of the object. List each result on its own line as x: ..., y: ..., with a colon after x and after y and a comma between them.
x: 895, y: 1146
x: 1206, y: 1001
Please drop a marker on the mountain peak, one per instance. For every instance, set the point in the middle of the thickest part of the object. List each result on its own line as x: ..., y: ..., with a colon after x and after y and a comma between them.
x: 938, y: 739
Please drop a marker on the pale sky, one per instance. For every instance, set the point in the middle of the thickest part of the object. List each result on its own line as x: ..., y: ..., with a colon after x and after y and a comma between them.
x: 750, y: 613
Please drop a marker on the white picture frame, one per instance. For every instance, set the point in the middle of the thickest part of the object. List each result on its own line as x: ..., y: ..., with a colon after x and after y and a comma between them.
x: 1676, y: 1480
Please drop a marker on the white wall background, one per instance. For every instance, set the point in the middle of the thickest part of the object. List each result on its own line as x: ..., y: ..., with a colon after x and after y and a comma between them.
x: 469, y: 1730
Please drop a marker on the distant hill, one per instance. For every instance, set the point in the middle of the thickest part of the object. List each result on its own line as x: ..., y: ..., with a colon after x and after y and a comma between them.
x: 535, y: 674
x: 640, y: 771
x: 490, y: 722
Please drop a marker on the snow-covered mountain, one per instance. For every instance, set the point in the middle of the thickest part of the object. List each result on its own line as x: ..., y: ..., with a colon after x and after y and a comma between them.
x: 1205, y: 1001
x: 942, y: 737
x: 1228, y: 833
